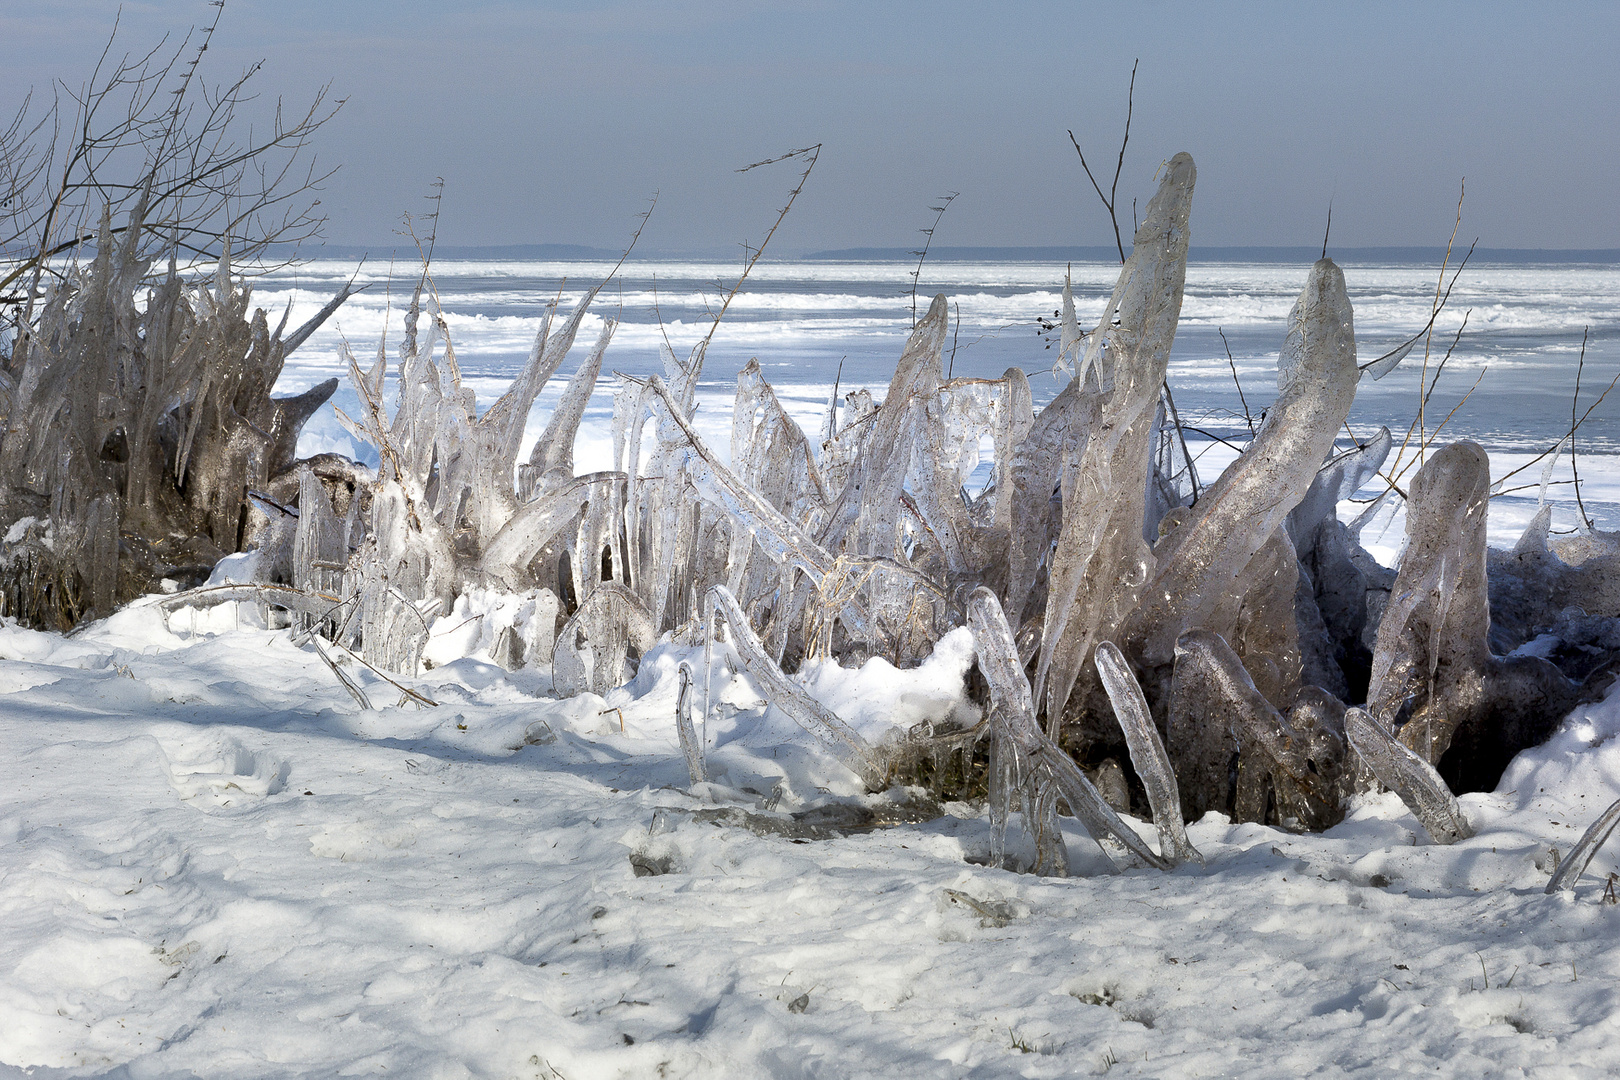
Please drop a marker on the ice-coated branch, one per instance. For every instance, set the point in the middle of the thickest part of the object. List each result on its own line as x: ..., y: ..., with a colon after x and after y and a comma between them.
x: 1148, y: 756
x: 845, y: 743
x: 1013, y: 708
x: 507, y: 555
x: 1580, y: 856
x: 317, y: 605
x: 1410, y: 777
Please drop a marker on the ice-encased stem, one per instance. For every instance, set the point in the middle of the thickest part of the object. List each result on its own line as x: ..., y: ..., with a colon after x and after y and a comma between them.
x: 846, y: 744
x: 1409, y: 776
x: 1013, y: 706
x: 1202, y: 563
x: 1102, y: 563
x: 1580, y: 856
x: 1148, y: 755
x: 683, y: 724
x: 555, y: 447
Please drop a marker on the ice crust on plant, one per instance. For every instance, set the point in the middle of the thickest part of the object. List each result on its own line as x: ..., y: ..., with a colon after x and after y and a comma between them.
x: 137, y: 417
x: 1435, y: 681
x: 1101, y: 562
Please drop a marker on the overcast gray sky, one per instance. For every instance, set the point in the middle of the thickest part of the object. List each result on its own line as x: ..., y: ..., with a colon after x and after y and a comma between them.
x: 556, y: 122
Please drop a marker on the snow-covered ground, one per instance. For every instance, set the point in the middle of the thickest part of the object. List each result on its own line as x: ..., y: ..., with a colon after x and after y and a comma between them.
x: 214, y: 864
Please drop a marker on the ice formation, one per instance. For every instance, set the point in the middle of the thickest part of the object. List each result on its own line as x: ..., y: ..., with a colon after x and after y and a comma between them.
x: 1220, y: 637
x: 138, y: 415
x: 1435, y: 682
x: 1409, y: 776
x: 1101, y: 563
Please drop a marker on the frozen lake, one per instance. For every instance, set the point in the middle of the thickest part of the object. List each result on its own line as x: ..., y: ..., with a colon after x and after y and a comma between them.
x: 1509, y: 382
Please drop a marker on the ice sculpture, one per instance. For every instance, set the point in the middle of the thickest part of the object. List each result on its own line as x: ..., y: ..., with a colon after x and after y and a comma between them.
x: 1435, y: 683
x: 1245, y: 614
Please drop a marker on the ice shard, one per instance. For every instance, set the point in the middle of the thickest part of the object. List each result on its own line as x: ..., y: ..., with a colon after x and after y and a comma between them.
x: 865, y: 516
x: 1058, y: 434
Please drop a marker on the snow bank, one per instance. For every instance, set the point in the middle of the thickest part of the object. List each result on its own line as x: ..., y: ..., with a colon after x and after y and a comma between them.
x: 213, y: 864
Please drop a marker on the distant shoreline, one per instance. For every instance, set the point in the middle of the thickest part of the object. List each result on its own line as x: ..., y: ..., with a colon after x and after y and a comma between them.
x: 1054, y: 254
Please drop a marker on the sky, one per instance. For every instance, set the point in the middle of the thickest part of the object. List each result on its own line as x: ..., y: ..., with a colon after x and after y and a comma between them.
x: 558, y: 122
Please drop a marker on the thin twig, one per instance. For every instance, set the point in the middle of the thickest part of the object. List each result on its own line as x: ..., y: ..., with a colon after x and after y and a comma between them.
x: 1574, y: 403
x: 945, y: 204
x: 1233, y: 363
x: 1110, y: 199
